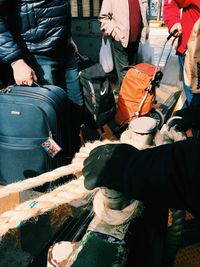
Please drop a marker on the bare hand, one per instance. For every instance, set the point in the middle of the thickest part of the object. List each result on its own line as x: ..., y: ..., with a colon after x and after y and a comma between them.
x: 23, y: 74
x: 177, y: 26
x: 116, y: 37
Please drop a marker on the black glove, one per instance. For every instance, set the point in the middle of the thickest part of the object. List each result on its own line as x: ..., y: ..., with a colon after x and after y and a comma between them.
x: 185, y: 119
x: 106, y: 164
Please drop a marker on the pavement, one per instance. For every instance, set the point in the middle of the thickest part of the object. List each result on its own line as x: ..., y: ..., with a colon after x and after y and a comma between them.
x: 157, y: 38
x: 169, y: 65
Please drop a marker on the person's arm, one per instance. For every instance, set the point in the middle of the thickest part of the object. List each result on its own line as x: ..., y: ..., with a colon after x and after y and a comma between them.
x: 10, y: 52
x: 106, y: 18
x: 172, y: 16
x: 185, y: 3
x: 145, y: 20
x: 166, y: 176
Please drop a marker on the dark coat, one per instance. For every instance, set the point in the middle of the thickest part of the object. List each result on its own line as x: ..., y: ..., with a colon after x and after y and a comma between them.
x: 166, y: 176
x: 38, y: 26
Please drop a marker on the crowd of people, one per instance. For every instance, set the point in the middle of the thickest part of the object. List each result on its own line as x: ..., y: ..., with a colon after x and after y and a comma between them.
x: 36, y: 43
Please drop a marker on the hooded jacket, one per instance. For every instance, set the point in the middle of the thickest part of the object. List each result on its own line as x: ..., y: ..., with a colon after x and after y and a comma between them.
x: 38, y: 26
x: 114, y: 18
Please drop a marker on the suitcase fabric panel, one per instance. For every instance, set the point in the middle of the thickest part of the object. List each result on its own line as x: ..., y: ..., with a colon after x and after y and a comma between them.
x: 28, y: 116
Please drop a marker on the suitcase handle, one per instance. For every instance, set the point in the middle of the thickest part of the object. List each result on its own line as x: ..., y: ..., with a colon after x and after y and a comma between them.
x: 82, y: 58
x: 34, y: 83
x: 37, y: 84
x: 8, y: 89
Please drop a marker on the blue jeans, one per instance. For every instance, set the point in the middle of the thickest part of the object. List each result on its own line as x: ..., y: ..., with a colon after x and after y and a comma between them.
x: 191, y: 99
x: 62, y: 72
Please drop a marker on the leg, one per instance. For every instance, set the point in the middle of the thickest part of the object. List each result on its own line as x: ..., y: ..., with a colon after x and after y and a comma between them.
x: 191, y: 99
x: 46, y: 69
x: 120, y: 57
x: 63, y: 73
x: 188, y: 93
x: 123, y: 57
x: 60, y: 72
x: 72, y: 83
x: 132, y: 51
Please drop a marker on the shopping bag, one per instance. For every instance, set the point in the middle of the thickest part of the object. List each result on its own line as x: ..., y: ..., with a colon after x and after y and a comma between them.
x: 105, y: 56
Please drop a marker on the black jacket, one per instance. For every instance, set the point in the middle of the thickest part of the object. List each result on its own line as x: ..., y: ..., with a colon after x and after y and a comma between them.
x: 166, y: 176
x: 38, y: 26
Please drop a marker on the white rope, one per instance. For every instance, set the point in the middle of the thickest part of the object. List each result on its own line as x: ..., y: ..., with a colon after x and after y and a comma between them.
x: 76, y: 166
x: 166, y: 136
x: 73, y: 193
x: 137, y: 140
x: 39, y: 180
x: 110, y: 216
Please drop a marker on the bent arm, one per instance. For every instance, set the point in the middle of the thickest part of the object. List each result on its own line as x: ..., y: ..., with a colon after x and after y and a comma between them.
x: 171, y: 13
x: 9, y: 50
x: 167, y: 175
x: 106, y: 17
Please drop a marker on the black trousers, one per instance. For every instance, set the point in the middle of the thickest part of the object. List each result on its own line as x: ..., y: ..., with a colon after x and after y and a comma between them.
x: 123, y: 57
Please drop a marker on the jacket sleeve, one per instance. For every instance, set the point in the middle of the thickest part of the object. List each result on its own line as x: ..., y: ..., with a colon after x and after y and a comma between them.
x: 145, y: 30
x: 166, y: 176
x: 106, y: 17
x: 171, y: 13
x: 184, y: 3
x: 9, y: 50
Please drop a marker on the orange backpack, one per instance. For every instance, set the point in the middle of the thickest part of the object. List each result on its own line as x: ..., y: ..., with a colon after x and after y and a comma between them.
x: 136, y: 94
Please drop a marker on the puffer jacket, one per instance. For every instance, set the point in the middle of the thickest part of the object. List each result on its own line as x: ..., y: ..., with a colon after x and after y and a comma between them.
x: 114, y: 18
x: 37, y: 26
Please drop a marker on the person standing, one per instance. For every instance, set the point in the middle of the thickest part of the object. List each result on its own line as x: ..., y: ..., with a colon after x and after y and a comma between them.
x: 181, y: 15
x: 35, y: 40
x: 125, y: 21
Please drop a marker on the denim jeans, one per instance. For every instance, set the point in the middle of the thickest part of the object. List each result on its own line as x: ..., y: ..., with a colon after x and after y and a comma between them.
x: 191, y: 99
x: 62, y: 72
x: 123, y: 57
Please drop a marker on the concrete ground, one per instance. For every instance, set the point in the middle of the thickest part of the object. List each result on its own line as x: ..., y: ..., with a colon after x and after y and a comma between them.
x: 158, y: 37
x: 170, y: 66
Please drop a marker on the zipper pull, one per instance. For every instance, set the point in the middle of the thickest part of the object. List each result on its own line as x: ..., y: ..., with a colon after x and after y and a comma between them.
x: 6, y: 90
x: 50, y: 135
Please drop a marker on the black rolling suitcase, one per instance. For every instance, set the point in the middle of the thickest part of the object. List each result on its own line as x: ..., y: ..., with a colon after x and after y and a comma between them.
x: 35, y: 131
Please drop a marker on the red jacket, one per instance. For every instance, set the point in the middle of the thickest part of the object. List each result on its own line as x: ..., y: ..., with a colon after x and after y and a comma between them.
x: 190, y: 14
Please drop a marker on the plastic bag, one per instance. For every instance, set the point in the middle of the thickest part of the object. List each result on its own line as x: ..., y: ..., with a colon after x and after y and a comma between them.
x: 105, y: 56
x: 145, y: 53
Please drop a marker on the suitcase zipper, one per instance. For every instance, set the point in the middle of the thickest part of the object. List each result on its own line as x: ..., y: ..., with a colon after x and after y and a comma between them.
x: 28, y: 147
